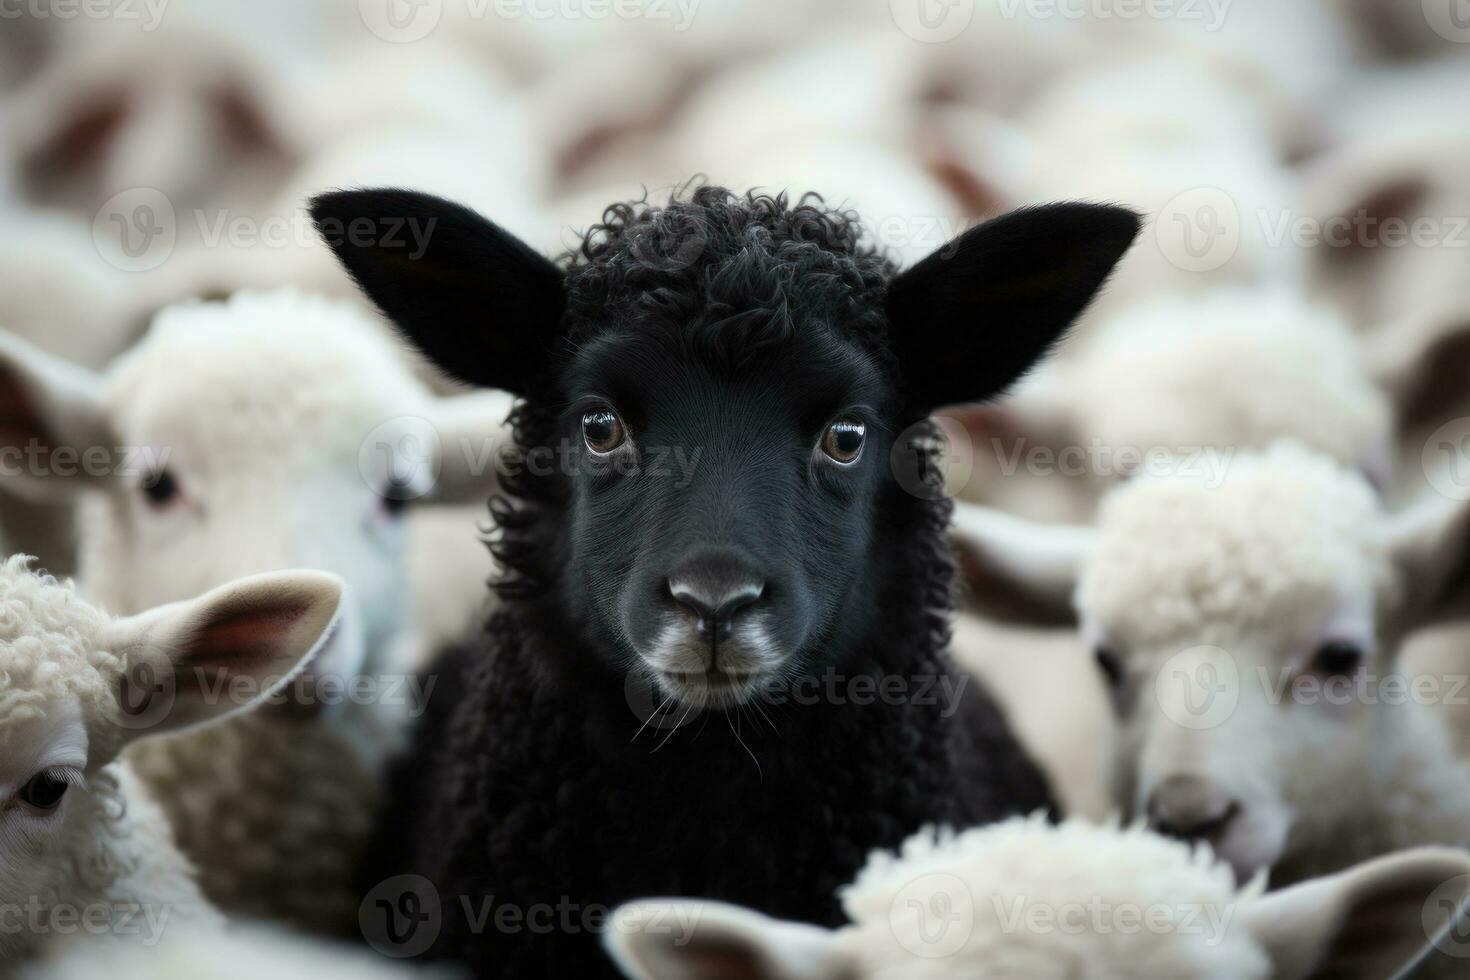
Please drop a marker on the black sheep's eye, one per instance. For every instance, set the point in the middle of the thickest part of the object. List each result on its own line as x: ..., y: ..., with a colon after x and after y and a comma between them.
x: 45, y: 790
x: 161, y: 488
x: 843, y: 440
x: 1111, y: 665
x: 1338, y: 658
x: 603, y: 430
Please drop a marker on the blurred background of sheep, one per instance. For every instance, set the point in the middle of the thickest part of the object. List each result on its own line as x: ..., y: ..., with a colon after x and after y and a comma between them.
x: 1305, y: 166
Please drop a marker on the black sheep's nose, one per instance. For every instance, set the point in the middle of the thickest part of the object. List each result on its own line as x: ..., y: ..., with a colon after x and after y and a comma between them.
x: 715, y: 590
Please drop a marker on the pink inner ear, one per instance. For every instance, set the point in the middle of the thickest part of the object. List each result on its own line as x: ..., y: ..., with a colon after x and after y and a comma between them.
x: 722, y: 961
x: 246, y: 125
x: 82, y: 139
x: 19, y: 420
x: 245, y: 641
x: 1398, y: 199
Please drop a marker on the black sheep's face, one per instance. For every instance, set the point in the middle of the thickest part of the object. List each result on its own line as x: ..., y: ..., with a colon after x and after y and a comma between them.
x: 724, y: 419
x: 722, y: 514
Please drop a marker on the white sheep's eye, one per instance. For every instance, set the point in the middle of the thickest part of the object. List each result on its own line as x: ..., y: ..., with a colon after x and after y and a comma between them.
x: 161, y: 489
x: 843, y: 440
x: 1338, y: 658
x: 45, y: 790
x: 603, y: 431
x: 1111, y: 665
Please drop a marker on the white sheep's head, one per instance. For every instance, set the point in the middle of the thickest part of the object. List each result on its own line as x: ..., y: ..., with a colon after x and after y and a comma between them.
x: 1146, y: 384
x: 1247, y: 631
x: 1024, y: 899
x: 274, y: 430
x: 77, y: 686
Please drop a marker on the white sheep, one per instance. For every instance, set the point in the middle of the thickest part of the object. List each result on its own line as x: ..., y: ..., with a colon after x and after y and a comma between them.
x: 173, y: 100
x: 1247, y: 625
x: 1148, y: 381
x: 1387, y: 206
x: 83, y: 847
x: 1026, y: 899
x: 1131, y: 130
x: 275, y: 430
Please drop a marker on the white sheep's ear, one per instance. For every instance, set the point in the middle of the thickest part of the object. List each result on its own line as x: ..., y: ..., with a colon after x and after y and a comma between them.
x: 1367, y: 923
x: 1371, y: 185
x: 51, y: 415
x: 1430, y: 544
x: 473, y: 440
x: 201, y: 660
x: 1018, y: 570
x: 1420, y: 363
x: 687, y: 939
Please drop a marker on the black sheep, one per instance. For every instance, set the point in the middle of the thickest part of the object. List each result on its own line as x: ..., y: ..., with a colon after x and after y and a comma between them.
x: 726, y: 494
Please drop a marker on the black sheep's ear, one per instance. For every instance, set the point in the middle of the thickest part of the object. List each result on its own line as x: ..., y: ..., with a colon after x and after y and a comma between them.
x: 972, y: 318
x: 480, y: 303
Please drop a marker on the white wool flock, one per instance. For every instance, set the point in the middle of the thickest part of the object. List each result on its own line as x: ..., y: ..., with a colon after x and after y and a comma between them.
x: 1281, y: 397
x: 1027, y: 898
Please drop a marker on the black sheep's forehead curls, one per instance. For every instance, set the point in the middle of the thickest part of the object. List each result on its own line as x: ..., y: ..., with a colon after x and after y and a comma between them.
x: 728, y: 335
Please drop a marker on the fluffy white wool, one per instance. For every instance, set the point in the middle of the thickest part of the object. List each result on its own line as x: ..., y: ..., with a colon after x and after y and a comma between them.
x: 1231, y: 369
x: 1023, y: 867
x: 49, y: 651
x: 1178, y: 559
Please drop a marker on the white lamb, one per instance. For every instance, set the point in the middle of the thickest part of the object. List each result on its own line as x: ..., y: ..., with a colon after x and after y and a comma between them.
x: 1248, y: 629
x: 1025, y: 900
x: 1148, y: 381
x: 275, y: 430
x: 83, y: 847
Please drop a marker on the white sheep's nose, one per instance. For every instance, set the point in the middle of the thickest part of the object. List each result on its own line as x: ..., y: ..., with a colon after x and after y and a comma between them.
x: 1191, y: 808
